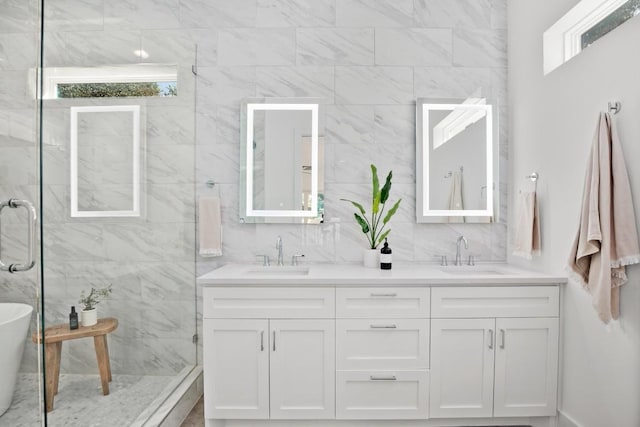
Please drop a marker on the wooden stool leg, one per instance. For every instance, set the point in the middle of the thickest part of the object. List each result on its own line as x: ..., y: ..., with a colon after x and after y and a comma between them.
x: 106, y: 350
x: 56, y: 374
x: 52, y: 367
x: 100, y: 342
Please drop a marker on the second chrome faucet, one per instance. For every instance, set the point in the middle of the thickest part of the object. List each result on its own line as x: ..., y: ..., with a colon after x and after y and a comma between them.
x: 458, y: 255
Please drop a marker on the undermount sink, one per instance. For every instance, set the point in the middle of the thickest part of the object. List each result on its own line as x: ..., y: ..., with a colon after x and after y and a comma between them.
x: 278, y: 271
x: 471, y: 270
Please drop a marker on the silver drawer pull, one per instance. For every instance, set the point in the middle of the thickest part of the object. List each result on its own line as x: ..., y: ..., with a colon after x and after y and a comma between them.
x: 384, y: 294
x: 490, y: 339
x: 501, y: 338
x: 379, y: 378
x: 383, y: 326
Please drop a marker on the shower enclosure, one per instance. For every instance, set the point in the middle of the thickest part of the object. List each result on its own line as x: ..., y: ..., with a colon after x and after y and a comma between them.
x: 97, y: 132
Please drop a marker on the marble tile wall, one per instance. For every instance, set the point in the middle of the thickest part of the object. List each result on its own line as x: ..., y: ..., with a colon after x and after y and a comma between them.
x: 370, y: 60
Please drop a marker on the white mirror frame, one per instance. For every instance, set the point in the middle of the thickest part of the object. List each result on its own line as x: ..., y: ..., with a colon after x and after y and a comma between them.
x: 251, y: 109
x: 424, y: 214
x: 135, y: 111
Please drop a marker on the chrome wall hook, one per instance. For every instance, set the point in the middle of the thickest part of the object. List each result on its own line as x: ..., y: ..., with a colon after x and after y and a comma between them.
x: 614, y: 107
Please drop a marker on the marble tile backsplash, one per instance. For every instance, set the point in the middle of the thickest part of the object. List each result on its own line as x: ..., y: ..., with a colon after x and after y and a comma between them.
x: 369, y: 60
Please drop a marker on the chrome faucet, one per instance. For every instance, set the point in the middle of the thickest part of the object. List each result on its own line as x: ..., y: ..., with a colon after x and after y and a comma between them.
x: 279, y: 248
x: 466, y: 246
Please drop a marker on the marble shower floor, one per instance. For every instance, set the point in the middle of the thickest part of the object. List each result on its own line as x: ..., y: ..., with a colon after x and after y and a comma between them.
x: 80, y: 403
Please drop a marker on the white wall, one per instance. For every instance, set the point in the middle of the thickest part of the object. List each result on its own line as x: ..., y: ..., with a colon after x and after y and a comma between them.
x: 552, y: 120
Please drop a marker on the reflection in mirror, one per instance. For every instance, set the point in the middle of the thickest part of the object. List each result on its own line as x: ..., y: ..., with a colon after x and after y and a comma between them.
x: 456, y: 161
x: 282, y: 161
x: 106, y: 160
x: 585, y: 23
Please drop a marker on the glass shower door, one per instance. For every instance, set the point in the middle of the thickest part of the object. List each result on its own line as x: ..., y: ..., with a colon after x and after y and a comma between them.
x: 20, y: 273
x: 118, y: 211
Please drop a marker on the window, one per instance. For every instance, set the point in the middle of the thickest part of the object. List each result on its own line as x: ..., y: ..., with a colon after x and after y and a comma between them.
x: 110, y: 81
x: 581, y: 26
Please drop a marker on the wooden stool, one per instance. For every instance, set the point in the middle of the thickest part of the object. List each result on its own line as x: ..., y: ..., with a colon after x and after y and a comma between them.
x: 54, y: 336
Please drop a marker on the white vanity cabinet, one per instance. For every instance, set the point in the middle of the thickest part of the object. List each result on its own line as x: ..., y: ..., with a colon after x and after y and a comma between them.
x: 262, y: 364
x: 352, y: 347
x: 382, y: 353
x: 486, y: 362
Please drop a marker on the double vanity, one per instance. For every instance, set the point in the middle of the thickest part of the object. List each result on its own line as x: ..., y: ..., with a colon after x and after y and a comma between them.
x: 344, y: 345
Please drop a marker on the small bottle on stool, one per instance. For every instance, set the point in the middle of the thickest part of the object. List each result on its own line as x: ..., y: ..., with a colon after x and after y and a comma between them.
x: 73, y: 318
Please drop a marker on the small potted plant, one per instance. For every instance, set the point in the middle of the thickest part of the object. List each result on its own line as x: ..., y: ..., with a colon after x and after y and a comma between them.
x: 371, y: 226
x: 89, y: 314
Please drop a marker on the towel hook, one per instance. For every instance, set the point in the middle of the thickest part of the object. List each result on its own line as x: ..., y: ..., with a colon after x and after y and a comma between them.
x: 210, y: 183
x: 614, y: 107
x: 533, y: 176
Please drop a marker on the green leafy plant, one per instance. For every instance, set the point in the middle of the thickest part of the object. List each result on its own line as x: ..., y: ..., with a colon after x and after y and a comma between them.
x: 90, y: 301
x: 371, y: 226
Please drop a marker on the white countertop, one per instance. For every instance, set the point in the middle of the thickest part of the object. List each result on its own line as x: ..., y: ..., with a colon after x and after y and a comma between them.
x: 357, y: 275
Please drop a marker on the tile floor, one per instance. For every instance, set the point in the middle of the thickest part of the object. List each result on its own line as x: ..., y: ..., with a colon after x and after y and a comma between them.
x: 80, y: 403
x: 196, y: 416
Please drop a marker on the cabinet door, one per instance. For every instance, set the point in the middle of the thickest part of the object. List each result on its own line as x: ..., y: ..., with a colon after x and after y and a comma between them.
x: 462, y: 355
x: 236, y: 368
x: 526, y: 367
x: 302, y: 369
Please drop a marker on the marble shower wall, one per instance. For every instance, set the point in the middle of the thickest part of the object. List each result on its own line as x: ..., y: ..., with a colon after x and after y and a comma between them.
x: 370, y: 60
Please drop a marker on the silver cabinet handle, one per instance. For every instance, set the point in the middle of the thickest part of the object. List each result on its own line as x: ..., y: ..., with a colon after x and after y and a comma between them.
x: 382, y: 378
x: 261, y: 340
x: 502, y: 333
x: 274, y: 340
x: 491, y: 339
x: 384, y: 294
x: 383, y: 326
x: 31, y: 235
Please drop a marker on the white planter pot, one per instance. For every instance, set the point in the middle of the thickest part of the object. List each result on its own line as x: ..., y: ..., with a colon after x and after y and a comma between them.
x: 88, y: 317
x: 371, y: 258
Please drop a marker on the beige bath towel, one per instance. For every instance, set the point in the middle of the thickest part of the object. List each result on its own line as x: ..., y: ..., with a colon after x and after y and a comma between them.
x: 527, y: 233
x: 455, y: 196
x: 210, y: 227
x: 607, y: 238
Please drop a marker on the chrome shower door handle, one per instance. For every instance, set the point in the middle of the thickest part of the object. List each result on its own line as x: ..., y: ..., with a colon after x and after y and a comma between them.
x: 31, y: 235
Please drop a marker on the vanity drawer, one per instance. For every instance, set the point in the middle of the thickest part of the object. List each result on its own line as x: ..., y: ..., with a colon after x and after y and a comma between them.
x: 382, y: 344
x: 382, y: 302
x: 382, y: 395
x: 521, y: 301
x: 259, y: 303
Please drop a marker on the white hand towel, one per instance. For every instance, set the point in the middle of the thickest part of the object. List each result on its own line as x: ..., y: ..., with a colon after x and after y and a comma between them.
x: 210, y: 226
x: 455, y: 196
x: 607, y: 237
x: 527, y: 232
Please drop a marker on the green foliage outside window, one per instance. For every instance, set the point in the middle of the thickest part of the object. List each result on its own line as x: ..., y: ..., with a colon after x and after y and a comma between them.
x: 116, y: 90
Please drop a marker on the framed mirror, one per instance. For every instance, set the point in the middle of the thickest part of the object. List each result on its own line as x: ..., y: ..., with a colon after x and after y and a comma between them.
x: 107, y: 148
x: 456, y: 160
x: 282, y: 161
